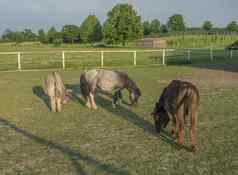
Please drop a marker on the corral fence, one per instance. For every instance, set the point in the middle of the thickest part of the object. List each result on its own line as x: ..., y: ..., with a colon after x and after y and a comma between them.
x: 72, y: 59
x: 83, y: 58
x: 209, y: 55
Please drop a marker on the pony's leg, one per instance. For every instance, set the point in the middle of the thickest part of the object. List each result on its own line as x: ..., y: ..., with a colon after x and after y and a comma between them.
x: 53, y: 104
x: 120, y: 96
x: 116, y: 98
x: 174, y: 129
x: 88, y: 103
x: 93, y: 104
x: 192, y: 128
x: 58, y: 104
x: 180, y: 121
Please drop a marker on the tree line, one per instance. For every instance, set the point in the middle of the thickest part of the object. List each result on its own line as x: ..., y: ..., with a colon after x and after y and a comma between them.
x: 122, y: 25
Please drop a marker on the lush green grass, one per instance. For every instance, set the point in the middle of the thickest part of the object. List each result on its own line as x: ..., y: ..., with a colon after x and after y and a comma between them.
x: 201, y: 41
x: 115, y: 141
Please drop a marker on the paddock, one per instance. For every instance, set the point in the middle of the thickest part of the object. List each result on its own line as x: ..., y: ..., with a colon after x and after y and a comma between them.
x: 122, y: 140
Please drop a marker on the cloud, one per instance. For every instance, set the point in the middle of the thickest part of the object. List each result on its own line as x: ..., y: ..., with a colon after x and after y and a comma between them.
x: 37, y: 14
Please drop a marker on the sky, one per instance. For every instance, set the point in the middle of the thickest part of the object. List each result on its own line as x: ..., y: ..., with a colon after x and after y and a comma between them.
x: 36, y: 14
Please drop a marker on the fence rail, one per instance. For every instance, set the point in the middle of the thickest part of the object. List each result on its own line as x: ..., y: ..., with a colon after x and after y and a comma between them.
x: 101, y: 52
x: 101, y: 58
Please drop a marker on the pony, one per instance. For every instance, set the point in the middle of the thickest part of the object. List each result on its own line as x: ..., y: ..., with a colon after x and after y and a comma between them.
x: 54, y: 88
x: 107, y: 81
x: 178, y: 103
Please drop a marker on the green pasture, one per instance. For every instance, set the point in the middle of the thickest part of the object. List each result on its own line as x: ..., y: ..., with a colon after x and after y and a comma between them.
x: 121, y: 141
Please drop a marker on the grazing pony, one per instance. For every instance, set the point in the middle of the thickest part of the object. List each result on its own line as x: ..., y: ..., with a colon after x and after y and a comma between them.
x: 108, y: 81
x: 54, y: 88
x: 179, y: 103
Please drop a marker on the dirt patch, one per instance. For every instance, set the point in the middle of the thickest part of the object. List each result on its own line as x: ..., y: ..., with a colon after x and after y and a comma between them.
x: 216, y: 78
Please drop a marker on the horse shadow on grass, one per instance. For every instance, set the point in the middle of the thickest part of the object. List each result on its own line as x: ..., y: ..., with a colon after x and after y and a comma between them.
x: 133, y: 118
x: 121, y: 111
x: 73, y: 155
x: 39, y: 92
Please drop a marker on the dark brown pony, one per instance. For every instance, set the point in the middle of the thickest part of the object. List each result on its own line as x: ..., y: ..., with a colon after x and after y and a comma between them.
x: 179, y: 103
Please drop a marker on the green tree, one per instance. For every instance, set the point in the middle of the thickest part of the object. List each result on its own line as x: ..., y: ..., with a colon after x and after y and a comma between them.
x: 53, y: 35
x: 164, y: 29
x: 91, y: 29
x: 7, y: 35
x: 42, y: 36
x: 146, y: 28
x: 155, y: 26
x: 70, y: 33
x: 232, y: 27
x: 176, y: 23
x: 207, y: 25
x: 28, y: 35
x: 122, y: 25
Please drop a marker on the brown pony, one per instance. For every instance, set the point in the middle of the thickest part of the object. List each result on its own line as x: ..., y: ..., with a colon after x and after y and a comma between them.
x: 179, y: 103
x: 54, y: 88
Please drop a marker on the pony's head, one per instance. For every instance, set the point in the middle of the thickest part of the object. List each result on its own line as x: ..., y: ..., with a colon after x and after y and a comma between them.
x: 68, y: 96
x: 134, y: 96
x: 159, y: 113
x: 160, y: 117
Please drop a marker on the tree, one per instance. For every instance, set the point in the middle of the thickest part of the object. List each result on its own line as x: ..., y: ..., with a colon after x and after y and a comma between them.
x: 146, y: 28
x: 176, y: 23
x: 123, y: 24
x: 155, y: 26
x: 7, y: 35
x: 164, y: 29
x: 28, y: 35
x: 91, y: 29
x: 42, y: 36
x: 70, y: 33
x: 207, y: 25
x: 53, y: 35
x: 232, y: 27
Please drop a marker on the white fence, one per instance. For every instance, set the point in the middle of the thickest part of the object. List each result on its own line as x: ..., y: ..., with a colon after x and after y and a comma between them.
x: 189, y: 51
x: 101, y: 52
x: 101, y: 58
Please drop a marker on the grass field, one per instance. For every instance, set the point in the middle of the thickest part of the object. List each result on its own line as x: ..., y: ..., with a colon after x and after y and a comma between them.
x: 118, y: 141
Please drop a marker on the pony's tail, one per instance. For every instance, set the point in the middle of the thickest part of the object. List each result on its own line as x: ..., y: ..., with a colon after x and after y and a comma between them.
x: 84, y: 86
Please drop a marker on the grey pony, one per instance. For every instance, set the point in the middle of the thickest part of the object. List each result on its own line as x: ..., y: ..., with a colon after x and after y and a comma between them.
x: 107, y: 81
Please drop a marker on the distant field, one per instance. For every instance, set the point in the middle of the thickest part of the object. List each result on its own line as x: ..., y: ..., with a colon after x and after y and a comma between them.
x: 118, y: 141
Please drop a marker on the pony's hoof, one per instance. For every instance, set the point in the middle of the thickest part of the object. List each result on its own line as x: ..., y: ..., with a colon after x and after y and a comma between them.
x: 88, y: 105
x: 94, y: 107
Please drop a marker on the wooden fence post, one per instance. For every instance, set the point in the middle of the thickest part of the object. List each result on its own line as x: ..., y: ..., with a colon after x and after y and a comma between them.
x: 102, y: 59
x: 231, y: 54
x: 163, y: 56
x: 134, y: 58
x: 211, y: 53
x: 189, y: 56
x: 63, y: 59
x: 19, y: 60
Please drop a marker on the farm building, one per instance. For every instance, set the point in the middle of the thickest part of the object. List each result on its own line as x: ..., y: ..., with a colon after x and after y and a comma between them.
x: 151, y: 43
